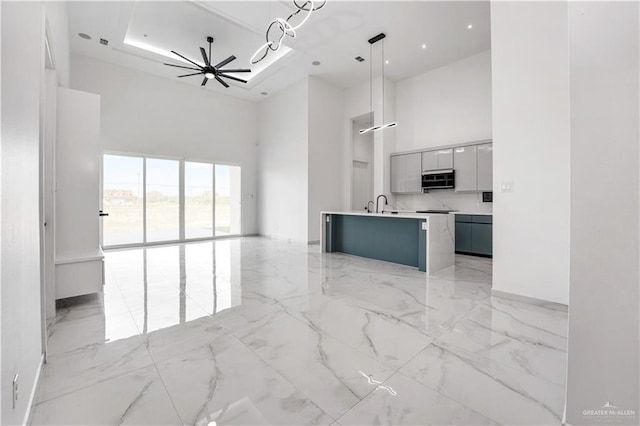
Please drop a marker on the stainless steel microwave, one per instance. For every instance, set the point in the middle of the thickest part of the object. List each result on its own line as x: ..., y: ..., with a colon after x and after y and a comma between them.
x: 438, y: 179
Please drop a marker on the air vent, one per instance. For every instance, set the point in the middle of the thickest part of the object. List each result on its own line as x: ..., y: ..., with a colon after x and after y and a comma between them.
x: 359, y: 59
x: 104, y: 42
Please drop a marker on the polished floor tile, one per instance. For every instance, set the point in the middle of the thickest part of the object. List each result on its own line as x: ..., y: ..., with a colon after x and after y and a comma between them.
x: 71, y: 371
x: 136, y: 398
x: 226, y: 382
x: 259, y: 331
x: 492, y: 389
x: 401, y: 400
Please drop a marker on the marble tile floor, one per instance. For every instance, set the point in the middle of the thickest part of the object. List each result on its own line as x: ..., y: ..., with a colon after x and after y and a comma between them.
x: 259, y: 331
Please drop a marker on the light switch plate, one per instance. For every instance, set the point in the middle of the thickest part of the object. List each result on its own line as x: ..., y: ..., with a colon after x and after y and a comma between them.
x: 506, y: 186
x: 424, y: 226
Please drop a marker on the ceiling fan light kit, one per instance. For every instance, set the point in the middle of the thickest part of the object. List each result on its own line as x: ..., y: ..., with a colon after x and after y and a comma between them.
x: 210, y: 71
x: 287, y: 27
x: 392, y: 124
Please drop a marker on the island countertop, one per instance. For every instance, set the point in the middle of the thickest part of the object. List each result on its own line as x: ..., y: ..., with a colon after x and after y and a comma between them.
x: 399, y: 215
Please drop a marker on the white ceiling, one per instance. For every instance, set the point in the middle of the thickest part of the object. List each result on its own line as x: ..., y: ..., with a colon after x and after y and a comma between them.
x: 335, y: 35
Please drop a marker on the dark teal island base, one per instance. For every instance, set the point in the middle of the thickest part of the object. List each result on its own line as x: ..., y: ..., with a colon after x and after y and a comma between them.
x: 392, y: 239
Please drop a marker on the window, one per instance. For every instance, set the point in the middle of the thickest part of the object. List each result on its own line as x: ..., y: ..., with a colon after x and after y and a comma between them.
x: 153, y: 200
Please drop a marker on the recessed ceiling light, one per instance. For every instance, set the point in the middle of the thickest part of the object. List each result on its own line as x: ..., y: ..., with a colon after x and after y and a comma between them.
x: 315, y: 63
x: 469, y: 26
x: 145, y: 35
x: 264, y: 93
x: 424, y: 46
x: 386, y: 62
x: 84, y: 36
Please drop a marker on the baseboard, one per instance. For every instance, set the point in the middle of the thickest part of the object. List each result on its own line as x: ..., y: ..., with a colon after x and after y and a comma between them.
x: 288, y: 240
x: 34, y: 391
x: 466, y: 253
x: 530, y: 300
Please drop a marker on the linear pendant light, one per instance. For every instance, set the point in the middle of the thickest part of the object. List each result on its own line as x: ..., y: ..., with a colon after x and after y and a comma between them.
x: 374, y: 128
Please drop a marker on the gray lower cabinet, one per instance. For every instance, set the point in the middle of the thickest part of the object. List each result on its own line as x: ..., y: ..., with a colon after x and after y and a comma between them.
x: 481, y: 241
x: 474, y: 234
x: 463, y: 237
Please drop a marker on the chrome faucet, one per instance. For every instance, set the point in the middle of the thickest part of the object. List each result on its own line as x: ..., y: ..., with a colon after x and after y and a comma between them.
x: 386, y: 202
x: 368, y: 209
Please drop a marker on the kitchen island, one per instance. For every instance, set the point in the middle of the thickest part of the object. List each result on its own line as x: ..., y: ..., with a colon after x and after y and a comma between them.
x: 425, y: 241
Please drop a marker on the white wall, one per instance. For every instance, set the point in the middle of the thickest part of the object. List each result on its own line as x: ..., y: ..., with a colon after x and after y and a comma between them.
x: 530, y: 96
x: 604, y: 324
x: 326, y: 148
x: 154, y: 115
x: 22, y: 47
x: 284, y: 169
x: 448, y: 105
x: 445, y: 106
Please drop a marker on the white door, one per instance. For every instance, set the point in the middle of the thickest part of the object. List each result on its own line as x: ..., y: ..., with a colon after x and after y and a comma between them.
x: 360, y: 185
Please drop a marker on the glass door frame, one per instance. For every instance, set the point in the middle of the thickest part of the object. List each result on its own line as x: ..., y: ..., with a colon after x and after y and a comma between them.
x: 181, y: 199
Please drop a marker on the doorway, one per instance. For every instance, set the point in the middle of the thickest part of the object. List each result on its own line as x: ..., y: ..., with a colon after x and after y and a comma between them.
x: 360, y: 188
x: 362, y: 163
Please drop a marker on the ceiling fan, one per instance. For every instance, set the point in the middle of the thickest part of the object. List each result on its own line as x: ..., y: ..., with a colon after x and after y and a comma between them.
x: 210, y: 71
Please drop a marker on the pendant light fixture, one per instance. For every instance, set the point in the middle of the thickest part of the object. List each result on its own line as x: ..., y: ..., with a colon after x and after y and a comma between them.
x: 374, y: 128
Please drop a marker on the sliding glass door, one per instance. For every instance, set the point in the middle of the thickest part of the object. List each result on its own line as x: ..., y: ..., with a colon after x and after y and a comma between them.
x: 227, y: 200
x: 198, y: 200
x: 123, y: 200
x: 155, y: 200
x: 162, y: 200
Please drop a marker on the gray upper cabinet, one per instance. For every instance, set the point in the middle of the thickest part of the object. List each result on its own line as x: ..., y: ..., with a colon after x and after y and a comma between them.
x: 438, y: 159
x: 485, y: 167
x: 406, y: 173
x: 473, y: 165
x: 465, y: 159
x: 429, y: 160
x: 445, y: 158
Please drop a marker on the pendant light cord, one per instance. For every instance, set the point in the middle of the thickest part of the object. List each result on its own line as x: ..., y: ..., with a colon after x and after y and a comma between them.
x: 371, y: 84
x: 382, y: 62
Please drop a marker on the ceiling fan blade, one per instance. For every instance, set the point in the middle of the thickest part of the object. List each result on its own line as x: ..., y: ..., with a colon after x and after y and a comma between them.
x: 224, y: 83
x: 236, y: 70
x: 186, y: 68
x: 233, y: 78
x: 189, y: 75
x: 204, y: 81
x: 186, y: 59
x: 225, y: 62
x: 204, y: 56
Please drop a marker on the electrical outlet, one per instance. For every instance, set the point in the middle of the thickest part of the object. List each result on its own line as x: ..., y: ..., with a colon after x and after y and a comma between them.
x: 14, y: 385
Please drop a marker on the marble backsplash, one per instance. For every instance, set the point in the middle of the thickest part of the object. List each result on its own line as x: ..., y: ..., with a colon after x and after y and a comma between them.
x: 444, y: 199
